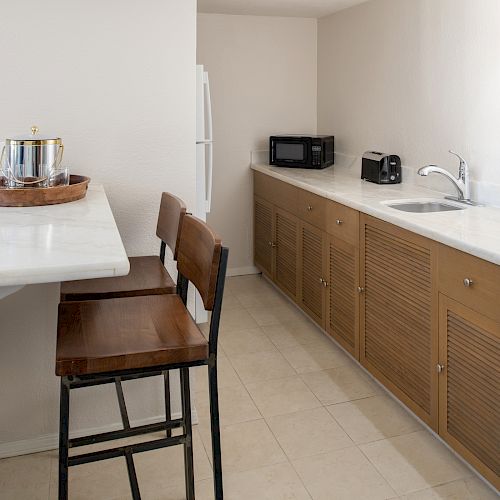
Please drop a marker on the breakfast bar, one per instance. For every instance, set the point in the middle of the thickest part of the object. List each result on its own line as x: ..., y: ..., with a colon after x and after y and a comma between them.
x: 39, y: 248
x: 63, y: 242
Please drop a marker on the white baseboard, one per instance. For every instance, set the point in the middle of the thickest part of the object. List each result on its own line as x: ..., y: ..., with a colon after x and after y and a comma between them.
x: 51, y: 441
x: 242, y: 271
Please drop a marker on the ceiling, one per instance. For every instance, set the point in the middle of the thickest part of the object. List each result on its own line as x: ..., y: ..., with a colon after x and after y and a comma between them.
x: 286, y: 8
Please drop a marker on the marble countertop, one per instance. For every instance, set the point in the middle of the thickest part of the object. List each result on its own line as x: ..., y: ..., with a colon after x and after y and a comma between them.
x: 64, y: 242
x: 475, y: 230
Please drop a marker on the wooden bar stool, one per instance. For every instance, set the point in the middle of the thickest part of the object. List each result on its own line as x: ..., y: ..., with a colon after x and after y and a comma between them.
x: 147, y: 275
x: 136, y: 337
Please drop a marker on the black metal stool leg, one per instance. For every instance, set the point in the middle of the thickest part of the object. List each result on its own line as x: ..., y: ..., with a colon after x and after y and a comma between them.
x: 63, y: 438
x: 214, y: 422
x: 188, y: 430
x: 168, y: 411
x: 121, y: 403
x: 132, y: 476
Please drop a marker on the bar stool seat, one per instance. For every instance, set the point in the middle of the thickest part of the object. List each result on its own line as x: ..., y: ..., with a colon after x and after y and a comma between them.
x: 147, y: 276
x: 124, y: 334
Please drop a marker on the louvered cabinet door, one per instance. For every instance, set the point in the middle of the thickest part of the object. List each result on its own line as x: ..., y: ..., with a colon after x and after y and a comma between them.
x: 469, y: 386
x: 313, y: 278
x: 343, y: 297
x: 399, y: 314
x: 263, y: 236
x: 286, y: 238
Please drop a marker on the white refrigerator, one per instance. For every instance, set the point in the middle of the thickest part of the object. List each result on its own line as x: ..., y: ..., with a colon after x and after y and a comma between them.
x: 204, y: 159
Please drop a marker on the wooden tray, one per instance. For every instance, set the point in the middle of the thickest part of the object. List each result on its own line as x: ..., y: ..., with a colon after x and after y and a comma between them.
x: 33, y: 197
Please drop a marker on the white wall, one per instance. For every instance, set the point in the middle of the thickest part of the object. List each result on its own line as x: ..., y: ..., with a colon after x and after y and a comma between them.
x: 414, y: 77
x: 115, y: 80
x: 263, y: 80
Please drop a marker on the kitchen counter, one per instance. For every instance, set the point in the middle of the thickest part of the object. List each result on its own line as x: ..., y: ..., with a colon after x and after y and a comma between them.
x: 475, y: 230
x: 64, y: 242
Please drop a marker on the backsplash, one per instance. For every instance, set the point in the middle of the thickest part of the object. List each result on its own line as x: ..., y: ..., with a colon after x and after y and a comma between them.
x: 483, y: 192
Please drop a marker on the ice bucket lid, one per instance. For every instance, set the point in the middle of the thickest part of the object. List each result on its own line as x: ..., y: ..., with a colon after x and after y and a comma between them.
x: 33, y: 139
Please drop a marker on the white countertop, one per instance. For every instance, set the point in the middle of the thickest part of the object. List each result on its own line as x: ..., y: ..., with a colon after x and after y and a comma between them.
x: 64, y: 242
x: 475, y: 230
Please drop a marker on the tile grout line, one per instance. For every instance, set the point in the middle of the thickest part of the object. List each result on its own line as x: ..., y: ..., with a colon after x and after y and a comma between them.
x: 323, y: 405
x: 288, y: 459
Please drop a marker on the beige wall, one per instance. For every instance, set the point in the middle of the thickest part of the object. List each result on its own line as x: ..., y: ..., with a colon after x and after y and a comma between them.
x: 415, y: 77
x: 263, y: 81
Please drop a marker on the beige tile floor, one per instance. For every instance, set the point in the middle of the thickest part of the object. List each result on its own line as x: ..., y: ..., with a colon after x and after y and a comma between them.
x: 300, y: 420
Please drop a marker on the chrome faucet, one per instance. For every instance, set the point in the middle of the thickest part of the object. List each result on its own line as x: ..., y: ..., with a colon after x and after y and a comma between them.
x: 462, y: 183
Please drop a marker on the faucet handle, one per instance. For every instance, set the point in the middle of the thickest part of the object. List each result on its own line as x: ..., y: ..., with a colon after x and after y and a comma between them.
x: 461, y: 158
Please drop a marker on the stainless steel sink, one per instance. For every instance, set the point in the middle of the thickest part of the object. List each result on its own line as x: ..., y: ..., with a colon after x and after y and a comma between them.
x: 424, y: 207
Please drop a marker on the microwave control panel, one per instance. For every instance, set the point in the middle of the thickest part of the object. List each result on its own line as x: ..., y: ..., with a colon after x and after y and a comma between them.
x: 316, y: 155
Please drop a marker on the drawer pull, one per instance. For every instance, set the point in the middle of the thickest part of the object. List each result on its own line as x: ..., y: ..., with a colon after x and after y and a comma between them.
x: 468, y: 282
x: 309, y: 208
x: 272, y: 245
x: 440, y: 368
x: 325, y: 283
x: 339, y: 222
x: 360, y: 289
x: 321, y: 280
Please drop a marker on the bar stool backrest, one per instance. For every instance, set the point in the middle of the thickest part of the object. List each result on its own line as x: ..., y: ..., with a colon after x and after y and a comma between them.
x: 198, y: 258
x: 170, y: 218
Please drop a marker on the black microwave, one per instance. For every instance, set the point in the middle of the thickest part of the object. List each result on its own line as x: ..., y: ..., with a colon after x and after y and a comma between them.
x: 310, y: 151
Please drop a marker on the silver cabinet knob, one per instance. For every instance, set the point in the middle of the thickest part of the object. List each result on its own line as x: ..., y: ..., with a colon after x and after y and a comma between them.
x: 309, y: 208
x: 272, y: 245
x: 468, y: 282
x: 440, y: 368
x: 339, y: 222
x: 321, y: 280
x: 325, y: 283
x: 360, y: 289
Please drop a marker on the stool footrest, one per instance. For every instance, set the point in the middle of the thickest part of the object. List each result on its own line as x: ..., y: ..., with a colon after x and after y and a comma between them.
x: 122, y: 451
x: 124, y: 433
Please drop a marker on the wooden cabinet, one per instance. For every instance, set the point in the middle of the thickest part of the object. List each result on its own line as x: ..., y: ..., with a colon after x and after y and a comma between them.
x: 318, y: 269
x: 286, y: 245
x: 469, y: 359
x: 343, y: 295
x: 399, y: 314
x: 279, y: 193
x: 469, y: 385
x: 422, y: 317
x: 470, y: 280
x: 263, y: 236
x: 312, y: 209
x: 343, y: 222
x: 313, y: 273
x: 276, y: 245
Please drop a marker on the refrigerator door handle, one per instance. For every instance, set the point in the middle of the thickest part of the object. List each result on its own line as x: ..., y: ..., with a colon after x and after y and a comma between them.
x: 209, y: 142
x: 206, y: 141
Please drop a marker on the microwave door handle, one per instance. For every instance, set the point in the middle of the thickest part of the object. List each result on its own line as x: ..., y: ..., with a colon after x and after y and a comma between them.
x: 209, y: 139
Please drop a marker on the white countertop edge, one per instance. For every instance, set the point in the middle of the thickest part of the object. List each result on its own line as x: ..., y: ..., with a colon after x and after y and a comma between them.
x: 399, y: 219
x: 61, y: 274
x: 106, y: 260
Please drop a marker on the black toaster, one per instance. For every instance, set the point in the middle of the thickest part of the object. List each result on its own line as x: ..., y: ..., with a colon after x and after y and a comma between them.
x: 381, y: 168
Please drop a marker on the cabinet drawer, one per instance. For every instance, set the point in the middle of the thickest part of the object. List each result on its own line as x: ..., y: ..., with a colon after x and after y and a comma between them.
x: 277, y: 192
x: 312, y: 209
x: 343, y: 222
x: 481, y: 292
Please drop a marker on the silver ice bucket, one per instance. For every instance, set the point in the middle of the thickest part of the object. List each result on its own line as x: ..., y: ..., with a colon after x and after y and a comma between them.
x: 29, y: 161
